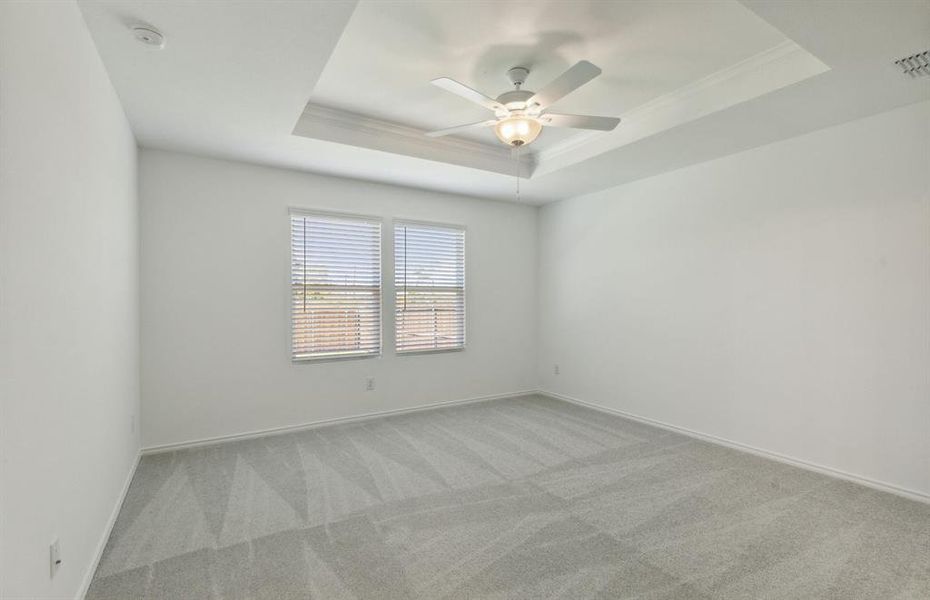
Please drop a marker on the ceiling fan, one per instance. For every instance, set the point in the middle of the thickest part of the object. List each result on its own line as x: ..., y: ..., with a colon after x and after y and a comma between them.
x: 521, y: 114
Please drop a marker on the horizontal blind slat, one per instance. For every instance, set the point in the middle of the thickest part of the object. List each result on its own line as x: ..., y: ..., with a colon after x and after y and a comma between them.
x: 429, y: 276
x: 335, y: 286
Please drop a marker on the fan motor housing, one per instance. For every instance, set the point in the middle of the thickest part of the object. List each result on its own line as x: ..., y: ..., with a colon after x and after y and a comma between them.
x: 515, y: 99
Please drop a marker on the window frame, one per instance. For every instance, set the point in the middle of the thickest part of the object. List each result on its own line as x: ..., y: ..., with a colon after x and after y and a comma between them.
x: 394, y: 287
x: 293, y: 211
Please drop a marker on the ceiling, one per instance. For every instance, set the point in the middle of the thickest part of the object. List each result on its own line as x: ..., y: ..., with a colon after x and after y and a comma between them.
x: 342, y: 87
x: 645, y: 49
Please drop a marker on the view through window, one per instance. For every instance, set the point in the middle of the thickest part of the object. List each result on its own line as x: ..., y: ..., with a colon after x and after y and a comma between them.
x: 335, y: 286
x: 429, y: 280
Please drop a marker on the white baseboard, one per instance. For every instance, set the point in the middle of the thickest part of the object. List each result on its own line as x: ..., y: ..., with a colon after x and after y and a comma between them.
x: 102, y: 544
x: 871, y: 483
x: 324, y: 423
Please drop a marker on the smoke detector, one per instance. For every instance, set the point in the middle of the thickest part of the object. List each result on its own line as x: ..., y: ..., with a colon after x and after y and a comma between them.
x: 149, y: 36
x: 915, y: 64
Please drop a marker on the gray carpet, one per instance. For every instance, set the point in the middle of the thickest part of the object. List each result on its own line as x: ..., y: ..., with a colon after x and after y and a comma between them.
x: 523, y: 498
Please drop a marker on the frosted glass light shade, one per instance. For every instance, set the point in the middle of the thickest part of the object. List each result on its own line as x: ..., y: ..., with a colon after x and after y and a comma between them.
x: 517, y: 131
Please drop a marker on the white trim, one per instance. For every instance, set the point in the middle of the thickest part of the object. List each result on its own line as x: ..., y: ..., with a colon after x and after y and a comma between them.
x: 211, y: 441
x: 770, y: 70
x: 785, y: 50
x: 865, y: 481
x: 680, y: 95
x: 102, y: 544
x: 436, y: 224
x: 346, y: 127
x: 353, y: 121
x: 427, y: 351
x: 301, y: 211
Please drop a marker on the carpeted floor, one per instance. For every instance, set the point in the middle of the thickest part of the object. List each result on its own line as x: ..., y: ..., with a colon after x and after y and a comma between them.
x: 522, y: 498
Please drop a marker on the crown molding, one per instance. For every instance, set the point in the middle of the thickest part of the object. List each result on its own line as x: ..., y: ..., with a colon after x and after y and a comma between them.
x: 772, y: 69
x: 785, y: 50
x: 346, y: 127
x: 777, y: 67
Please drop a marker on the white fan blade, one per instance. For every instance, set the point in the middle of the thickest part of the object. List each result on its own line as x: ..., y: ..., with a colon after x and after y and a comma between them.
x: 579, y: 121
x: 460, y: 89
x: 576, y: 76
x: 442, y: 132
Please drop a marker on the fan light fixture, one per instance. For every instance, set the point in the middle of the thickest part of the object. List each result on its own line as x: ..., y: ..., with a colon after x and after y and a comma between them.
x: 518, y: 130
x: 520, y: 115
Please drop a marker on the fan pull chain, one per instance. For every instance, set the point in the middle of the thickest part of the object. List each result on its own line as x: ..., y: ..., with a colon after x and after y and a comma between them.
x: 515, y: 153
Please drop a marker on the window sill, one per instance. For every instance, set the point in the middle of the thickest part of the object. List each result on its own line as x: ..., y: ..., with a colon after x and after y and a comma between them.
x: 430, y: 351
x: 335, y: 358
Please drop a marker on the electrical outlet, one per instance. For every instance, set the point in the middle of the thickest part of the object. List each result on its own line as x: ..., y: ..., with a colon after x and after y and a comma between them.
x: 555, y: 369
x: 370, y: 384
x: 54, y: 557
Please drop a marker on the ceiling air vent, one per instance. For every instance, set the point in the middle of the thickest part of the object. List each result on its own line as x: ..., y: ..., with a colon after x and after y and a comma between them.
x: 916, y: 64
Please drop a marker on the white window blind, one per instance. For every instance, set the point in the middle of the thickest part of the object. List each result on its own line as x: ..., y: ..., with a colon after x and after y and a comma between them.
x: 429, y: 279
x: 335, y: 286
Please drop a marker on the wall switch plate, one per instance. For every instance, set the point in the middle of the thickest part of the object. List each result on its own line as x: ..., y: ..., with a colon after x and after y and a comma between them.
x: 54, y: 557
x: 555, y: 369
x: 370, y: 384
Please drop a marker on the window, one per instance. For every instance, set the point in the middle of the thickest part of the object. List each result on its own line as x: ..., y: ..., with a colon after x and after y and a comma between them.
x: 335, y: 286
x: 429, y: 279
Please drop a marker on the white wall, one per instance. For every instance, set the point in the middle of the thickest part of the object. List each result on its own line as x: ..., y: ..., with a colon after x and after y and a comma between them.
x: 69, y: 370
x: 778, y: 298
x: 215, y: 301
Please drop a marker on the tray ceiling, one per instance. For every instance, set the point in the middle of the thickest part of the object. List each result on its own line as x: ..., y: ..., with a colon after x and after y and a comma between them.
x: 389, y: 51
x: 343, y: 87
